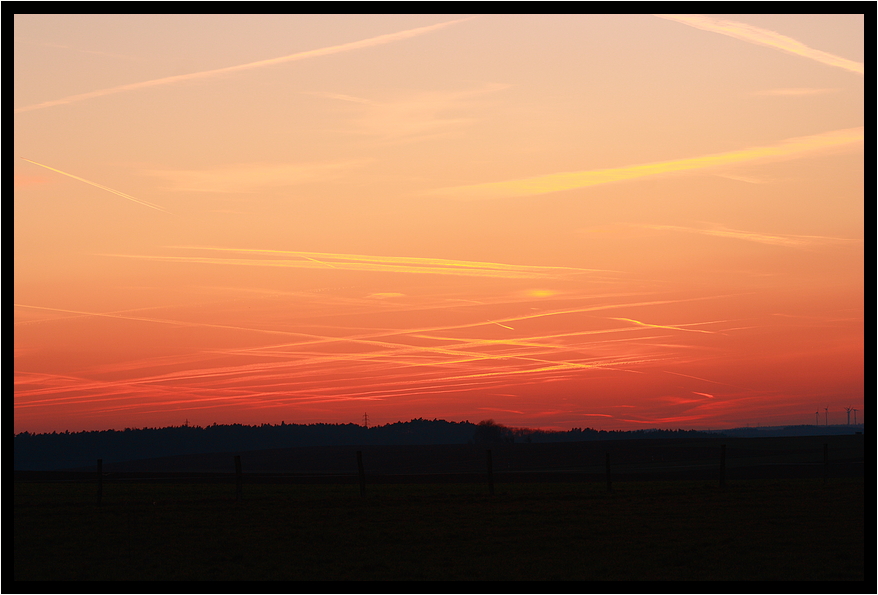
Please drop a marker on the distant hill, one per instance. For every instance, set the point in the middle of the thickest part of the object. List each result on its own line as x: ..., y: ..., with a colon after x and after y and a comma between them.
x: 802, y: 430
x: 68, y: 450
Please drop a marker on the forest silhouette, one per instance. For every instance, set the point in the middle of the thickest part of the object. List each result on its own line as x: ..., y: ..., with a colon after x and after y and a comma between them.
x: 67, y: 450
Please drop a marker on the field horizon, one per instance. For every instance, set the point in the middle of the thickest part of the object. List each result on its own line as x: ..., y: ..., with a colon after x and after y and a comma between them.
x: 704, y: 508
x: 680, y: 530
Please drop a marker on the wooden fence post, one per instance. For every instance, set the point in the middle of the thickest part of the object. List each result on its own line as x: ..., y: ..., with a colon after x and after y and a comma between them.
x: 100, y: 480
x: 609, y: 483
x: 722, y: 466
x: 825, y: 462
x: 362, y: 473
x: 490, y: 474
x: 238, y: 478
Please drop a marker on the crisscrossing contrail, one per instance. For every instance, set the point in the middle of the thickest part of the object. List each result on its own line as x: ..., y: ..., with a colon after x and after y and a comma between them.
x: 102, y: 187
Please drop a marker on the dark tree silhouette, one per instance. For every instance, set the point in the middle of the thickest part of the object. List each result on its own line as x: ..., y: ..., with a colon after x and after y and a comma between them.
x: 490, y: 432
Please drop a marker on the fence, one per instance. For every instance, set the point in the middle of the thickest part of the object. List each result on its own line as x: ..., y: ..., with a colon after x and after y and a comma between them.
x: 709, y: 461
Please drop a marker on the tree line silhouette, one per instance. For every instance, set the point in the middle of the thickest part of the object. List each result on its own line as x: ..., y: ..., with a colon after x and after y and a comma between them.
x: 66, y: 450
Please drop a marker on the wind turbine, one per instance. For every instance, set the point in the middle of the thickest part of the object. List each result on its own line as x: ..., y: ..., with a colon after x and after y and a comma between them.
x: 816, y: 418
x: 849, y: 409
x: 855, y: 416
x: 826, y: 416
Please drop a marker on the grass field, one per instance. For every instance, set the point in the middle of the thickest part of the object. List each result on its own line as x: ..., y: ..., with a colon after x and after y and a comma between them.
x: 751, y: 530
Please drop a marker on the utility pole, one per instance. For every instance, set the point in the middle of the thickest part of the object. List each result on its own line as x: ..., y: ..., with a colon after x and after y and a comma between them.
x: 826, y: 416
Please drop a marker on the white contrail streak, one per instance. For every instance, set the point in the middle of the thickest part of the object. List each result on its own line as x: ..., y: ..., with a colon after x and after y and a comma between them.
x: 345, y: 47
x: 765, y: 37
x: 122, y: 194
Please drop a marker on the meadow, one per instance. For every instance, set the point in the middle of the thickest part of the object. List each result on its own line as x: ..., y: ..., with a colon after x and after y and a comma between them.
x: 759, y: 529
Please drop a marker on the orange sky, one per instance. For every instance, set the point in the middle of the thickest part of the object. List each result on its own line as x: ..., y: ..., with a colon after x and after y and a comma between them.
x: 554, y: 221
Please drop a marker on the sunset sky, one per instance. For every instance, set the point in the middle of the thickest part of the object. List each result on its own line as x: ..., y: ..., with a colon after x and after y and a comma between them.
x: 552, y: 221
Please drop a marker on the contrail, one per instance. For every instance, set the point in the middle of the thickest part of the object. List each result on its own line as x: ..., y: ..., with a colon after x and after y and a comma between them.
x: 163, y: 321
x: 705, y: 380
x: 122, y: 194
x: 765, y: 37
x: 677, y: 328
x: 335, y: 49
x: 319, y: 262
x: 543, y: 184
x: 761, y: 238
x: 360, y: 262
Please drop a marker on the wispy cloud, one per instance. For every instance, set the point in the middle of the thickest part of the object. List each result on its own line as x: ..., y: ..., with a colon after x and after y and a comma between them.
x: 360, y: 262
x: 170, y: 80
x: 764, y: 37
x: 679, y: 327
x: 704, y: 379
x: 408, y: 116
x: 740, y: 178
x: 116, y: 192
x: 500, y: 410
x: 251, y: 177
x: 123, y: 316
x: 790, y: 240
x: 786, y: 149
x: 84, y: 51
x: 339, y: 97
x: 794, y: 92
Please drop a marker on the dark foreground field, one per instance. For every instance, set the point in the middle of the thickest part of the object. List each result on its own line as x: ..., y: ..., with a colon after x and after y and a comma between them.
x: 785, y: 529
